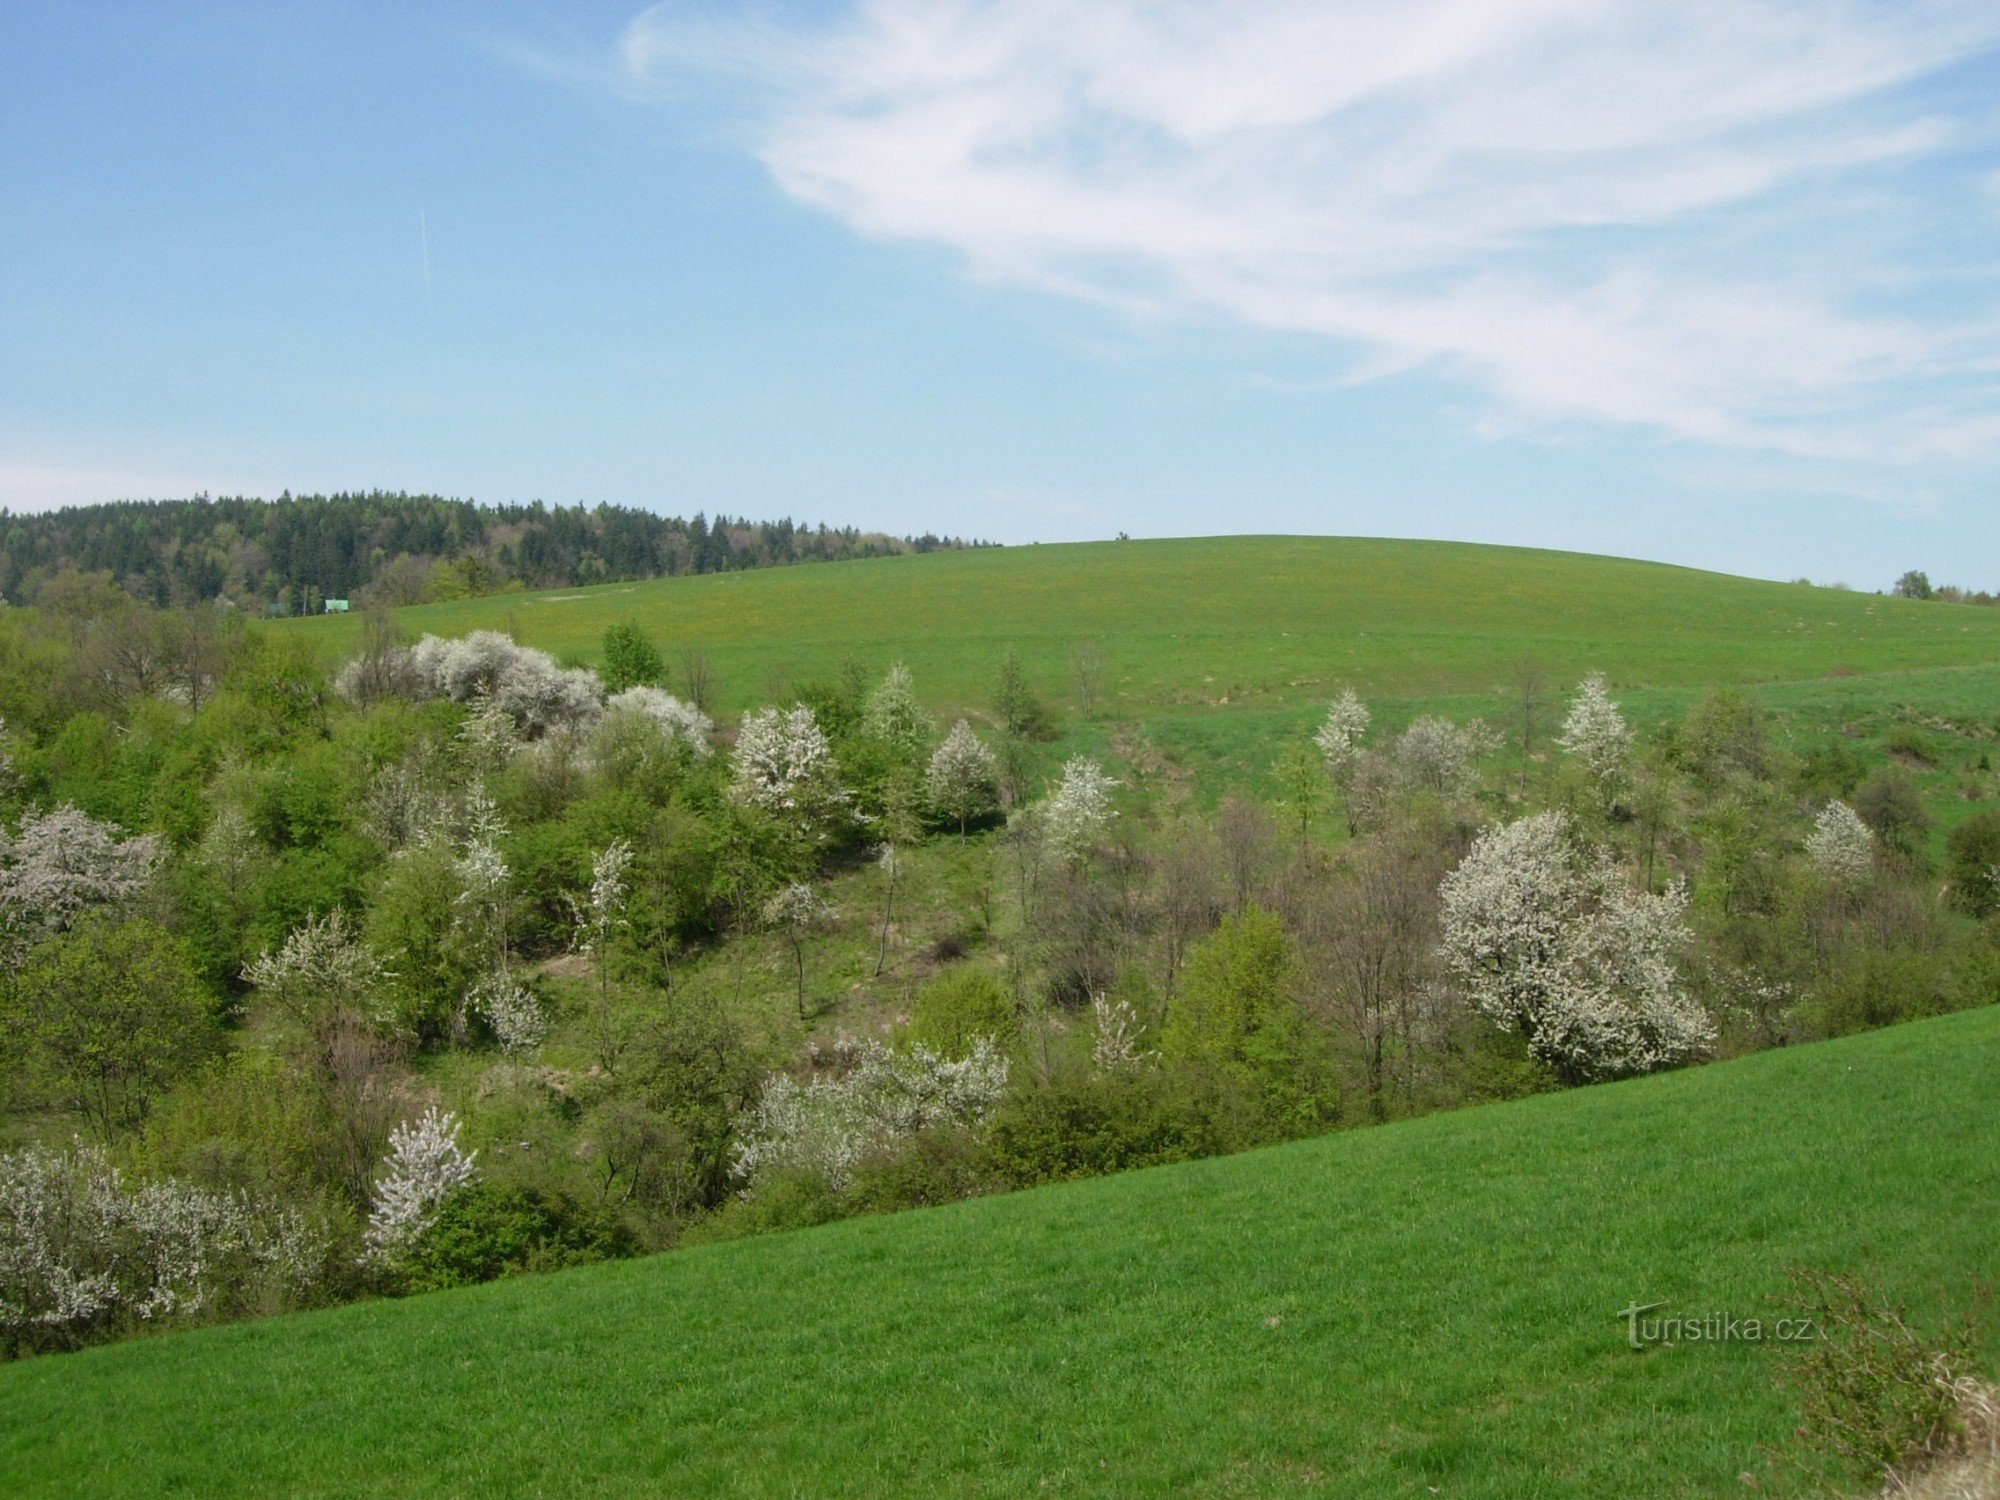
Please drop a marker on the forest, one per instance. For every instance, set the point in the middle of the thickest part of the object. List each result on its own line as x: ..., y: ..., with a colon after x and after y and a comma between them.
x: 289, y: 555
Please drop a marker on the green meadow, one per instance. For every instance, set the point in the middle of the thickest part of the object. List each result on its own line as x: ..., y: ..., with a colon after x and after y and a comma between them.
x: 1222, y: 622
x: 1421, y: 1308
x: 1213, y: 650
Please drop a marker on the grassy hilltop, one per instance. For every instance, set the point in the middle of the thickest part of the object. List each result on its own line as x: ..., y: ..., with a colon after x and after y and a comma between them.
x: 1241, y: 621
x: 1422, y: 1308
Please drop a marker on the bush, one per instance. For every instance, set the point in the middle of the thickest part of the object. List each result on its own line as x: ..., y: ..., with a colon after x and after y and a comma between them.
x: 486, y: 1231
x: 1890, y: 803
x: 1972, y: 863
x: 958, y: 1007
x: 1096, y: 1123
x: 1873, y: 1390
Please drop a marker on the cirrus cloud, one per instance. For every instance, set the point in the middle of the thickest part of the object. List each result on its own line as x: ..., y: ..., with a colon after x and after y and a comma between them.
x: 1723, y: 220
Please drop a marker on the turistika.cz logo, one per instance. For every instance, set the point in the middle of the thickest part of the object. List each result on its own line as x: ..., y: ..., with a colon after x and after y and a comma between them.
x: 1711, y: 1328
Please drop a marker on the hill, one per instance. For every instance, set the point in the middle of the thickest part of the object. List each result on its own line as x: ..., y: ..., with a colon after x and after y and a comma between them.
x: 1247, y: 621
x: 1420, y: 1308
x: 1209, y: 653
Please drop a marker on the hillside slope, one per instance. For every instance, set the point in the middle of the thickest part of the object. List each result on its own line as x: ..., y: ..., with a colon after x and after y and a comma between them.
x: 1218, y: 621
x: 1415, y: 1309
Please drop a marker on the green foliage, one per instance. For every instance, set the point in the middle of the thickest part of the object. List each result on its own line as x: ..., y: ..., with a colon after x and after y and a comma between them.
x: 1094, y: 1123
x: 954, y: 1009
x: 488, y: 1230
x: 105, y: 1017
x: 1233, y: 1017
x: 413, y: 923
x: 1723, y: 735
x: 630, y: 659
x: 1972, y: 863
x: 1018, y: 708
x: 1890, y: 802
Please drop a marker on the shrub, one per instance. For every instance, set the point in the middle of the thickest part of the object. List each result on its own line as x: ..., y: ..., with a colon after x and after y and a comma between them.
x: 1890, y: 803
x: 1096, y: 1123
x: 486, y: 1231
x: 85, y: 1255
x: 1873, y: 1390
x: 1972, y: 863
x: 959, y: 1006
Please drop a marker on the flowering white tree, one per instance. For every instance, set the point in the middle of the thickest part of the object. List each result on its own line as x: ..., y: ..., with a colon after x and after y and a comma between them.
x: 1548, y: 942
x: 322, y: 967
x: 680, y: 723
x: 60, y: 864
x: 1437, y: 756
x: 963, y: 781
x: 598, y: 918
x: 829, y: 1126
x: 80, y: 1248
x: 1339, y: 738
x: 537, y: 692
x: 1118, y: 1029
x: 1841, y: 847
x: 423, y: 1169
x: 891, y: 713
x: 1596, y: 733
x: 512, y: 1012
x: 785, y: 766
x: 1079, y: 811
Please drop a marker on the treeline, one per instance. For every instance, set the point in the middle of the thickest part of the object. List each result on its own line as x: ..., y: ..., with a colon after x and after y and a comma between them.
x: 1916, y: 584
x: 289, y: 555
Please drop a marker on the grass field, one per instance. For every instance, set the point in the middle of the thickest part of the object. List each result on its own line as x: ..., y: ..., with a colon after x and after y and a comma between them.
x: 1421, y: 1308
x: 1239, y: 621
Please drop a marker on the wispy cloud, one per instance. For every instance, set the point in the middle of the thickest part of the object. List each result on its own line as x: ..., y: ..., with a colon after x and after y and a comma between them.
x: 1707, y: 219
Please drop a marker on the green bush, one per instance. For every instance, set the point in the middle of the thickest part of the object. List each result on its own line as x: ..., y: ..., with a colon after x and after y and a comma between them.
x: 488, y: 1230
x: 958, y: 1007
x: 1096, y: 1123
x: 1972, y: 863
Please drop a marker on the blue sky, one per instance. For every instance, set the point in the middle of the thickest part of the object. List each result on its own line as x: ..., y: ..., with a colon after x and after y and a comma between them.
x: 1713, y: 283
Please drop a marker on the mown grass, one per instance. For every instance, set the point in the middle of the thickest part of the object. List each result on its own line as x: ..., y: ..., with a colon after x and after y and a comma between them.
x: 1222, y: 622
x: 1421, y: 1308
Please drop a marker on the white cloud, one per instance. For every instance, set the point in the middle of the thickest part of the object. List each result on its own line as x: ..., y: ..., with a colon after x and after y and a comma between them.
x: 1682, y: 216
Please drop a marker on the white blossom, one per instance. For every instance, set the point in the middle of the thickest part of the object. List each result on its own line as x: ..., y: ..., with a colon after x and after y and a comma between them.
x: 512, y: 1011
x: 680, y: 723
x: 1339, y: 738
x: 80, y: 1247
x: 963, y: 781
x: 785, y: 765
x: 891, y: 712
x: 1080, y: 809
x: 1841, y: 847
x: 532, y: 688
x: 829, y: 1126
x: 1118, y: 1026
x: 321, y: 965
x: 1595, y: 732
x: 423, y: 1169
x: 62, y: 863
x: 1435, y: 755
x: 602, y: 910
x: 799, y: 908
x: 1549, y: 942
x: 488, y: 735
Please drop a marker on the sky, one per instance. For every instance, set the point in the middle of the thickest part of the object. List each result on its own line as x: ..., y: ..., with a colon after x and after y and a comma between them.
x: 1713, y: 283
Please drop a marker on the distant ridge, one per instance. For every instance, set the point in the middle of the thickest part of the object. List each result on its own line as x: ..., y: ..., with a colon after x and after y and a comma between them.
x: 289, y: 555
